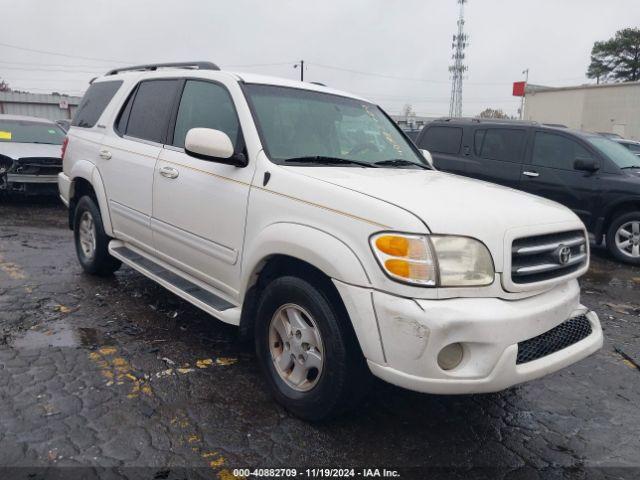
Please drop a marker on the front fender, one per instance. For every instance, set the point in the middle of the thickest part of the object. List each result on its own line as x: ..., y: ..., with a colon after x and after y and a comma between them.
x: 321, y: 249
x: 88, y: 171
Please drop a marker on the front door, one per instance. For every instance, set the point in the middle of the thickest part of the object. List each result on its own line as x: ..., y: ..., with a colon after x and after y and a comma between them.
x: 199, y: 206
x: 550, y: 173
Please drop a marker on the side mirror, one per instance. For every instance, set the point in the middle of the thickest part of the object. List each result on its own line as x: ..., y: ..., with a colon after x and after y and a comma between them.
x: 212, y: 145
x: 586, y: 165
x: 427, y: 156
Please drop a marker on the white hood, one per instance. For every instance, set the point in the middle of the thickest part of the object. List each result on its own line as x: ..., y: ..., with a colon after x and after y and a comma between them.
x: 450, y: 204
x: 16, y: 150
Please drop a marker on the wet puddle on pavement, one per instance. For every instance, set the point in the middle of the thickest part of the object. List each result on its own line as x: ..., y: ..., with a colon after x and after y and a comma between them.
x: 56, y: 334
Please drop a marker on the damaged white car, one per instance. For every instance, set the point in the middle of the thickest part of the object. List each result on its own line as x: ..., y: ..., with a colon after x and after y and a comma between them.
x: 30, y: 154
x: 305, y: 216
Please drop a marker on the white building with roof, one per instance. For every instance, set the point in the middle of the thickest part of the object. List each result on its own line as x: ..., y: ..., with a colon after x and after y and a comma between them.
x: 610, y: 107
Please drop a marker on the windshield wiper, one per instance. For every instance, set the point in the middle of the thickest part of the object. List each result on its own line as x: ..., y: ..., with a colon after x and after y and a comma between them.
x: 329, y: 161
x: 397, y: 162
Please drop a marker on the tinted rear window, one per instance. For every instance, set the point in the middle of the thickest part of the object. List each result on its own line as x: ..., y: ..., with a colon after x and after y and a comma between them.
x: 442, y: 139
x: 501, y: 144
x: 151, y: 110
x: 94, y: 102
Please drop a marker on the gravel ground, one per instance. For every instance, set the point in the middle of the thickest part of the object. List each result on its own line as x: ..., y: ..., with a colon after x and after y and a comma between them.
x: 120, y: 378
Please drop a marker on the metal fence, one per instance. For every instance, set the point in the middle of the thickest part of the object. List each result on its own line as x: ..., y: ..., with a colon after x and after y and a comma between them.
x: 51, y: 106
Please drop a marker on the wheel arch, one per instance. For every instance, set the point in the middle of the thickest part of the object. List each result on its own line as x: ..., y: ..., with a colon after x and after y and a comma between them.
x: 299, y: 250
x: 86, y: 180
x: 620, y: 208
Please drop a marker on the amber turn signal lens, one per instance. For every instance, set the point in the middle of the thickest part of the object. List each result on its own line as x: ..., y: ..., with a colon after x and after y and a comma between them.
x: 405, y: 257
x: 400, y: 268
x: 393, y: 245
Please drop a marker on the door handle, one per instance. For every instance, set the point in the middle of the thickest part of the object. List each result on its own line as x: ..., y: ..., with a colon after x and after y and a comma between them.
x: 169, y: 172
x: 531, y: 174
x: 105, y: 154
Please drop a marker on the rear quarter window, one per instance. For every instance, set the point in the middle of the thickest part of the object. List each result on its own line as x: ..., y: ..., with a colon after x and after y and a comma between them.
x: 442, y: 139
x: 94, y: 102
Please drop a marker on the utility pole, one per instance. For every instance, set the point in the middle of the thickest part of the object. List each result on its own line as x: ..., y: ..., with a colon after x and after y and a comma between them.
x: 301, y: 65
x: 457, y: 70
x: 526, y: 81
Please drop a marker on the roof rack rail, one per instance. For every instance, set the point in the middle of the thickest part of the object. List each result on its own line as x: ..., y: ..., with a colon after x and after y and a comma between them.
x: 487, y: 120
x: 155, y: 66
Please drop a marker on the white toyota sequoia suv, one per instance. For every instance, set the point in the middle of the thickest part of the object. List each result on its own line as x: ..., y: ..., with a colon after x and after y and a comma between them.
x: 307, y: 218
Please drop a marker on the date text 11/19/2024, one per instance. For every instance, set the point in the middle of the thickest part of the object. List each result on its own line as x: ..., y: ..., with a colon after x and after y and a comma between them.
x: 316, y: 473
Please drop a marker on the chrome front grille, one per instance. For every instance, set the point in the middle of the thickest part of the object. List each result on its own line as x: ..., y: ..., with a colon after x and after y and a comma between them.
x: 544, y: 257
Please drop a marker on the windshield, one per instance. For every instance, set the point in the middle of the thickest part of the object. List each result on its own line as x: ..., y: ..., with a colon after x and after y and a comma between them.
x: 313, y: 127
x: 618, y: 154
x: 25, y: 131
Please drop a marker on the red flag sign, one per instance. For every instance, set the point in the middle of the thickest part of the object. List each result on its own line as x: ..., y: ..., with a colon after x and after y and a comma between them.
x: 518, y: 89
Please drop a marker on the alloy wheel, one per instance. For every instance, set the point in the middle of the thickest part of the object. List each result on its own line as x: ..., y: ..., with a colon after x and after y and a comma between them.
x: 87, y: 235
x: 296, y: 347
x: 628, y: 239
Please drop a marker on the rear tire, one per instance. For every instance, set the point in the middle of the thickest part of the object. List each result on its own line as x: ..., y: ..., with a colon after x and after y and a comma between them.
x: 623, y: 238
x: 91, y: 240
x: 333, y: 375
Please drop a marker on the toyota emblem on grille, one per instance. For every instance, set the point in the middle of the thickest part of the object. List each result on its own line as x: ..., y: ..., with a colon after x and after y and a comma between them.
x: 563, y: 254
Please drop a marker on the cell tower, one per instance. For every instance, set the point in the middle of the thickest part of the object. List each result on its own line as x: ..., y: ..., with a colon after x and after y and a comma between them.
x: 460, y: 42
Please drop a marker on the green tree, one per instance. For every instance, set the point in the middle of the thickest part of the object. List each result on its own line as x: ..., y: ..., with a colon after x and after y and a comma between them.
x: 4, y: 86
x: 617, y: 59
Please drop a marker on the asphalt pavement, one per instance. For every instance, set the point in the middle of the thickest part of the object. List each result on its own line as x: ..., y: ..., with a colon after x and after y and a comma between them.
x: 118, y: 377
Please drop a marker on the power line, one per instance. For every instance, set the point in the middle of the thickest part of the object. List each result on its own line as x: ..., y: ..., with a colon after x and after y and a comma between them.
x: 61, y: 70
x: 261, y: 65
x: 371, y: 74
x: 46, y: 52
x: 395, y: 77
x: 54, y: 65
x: 66, y: 80
x: 425, y: 99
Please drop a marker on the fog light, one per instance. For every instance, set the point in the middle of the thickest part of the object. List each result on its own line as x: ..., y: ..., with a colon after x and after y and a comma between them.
x: 450, y: 356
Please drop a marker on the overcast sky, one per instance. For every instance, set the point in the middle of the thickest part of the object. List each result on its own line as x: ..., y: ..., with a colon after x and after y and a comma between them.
x: 406, y: 39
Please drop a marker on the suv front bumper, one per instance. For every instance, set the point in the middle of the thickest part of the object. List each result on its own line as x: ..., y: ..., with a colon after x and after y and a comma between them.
x: 412, y: 332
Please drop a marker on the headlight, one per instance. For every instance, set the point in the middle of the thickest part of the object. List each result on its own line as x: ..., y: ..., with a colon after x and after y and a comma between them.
x: 434, y: 260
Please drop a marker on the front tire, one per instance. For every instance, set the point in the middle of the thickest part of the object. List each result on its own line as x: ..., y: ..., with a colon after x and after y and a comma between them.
x: 623, y: 238
x: 307, y: 351
x: 91, y: 240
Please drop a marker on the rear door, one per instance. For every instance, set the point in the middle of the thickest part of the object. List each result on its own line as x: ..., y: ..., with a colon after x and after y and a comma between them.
x: 128, y: 159
x: 549, y: 173
x: 444, y: 142
x: 496, y: 154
